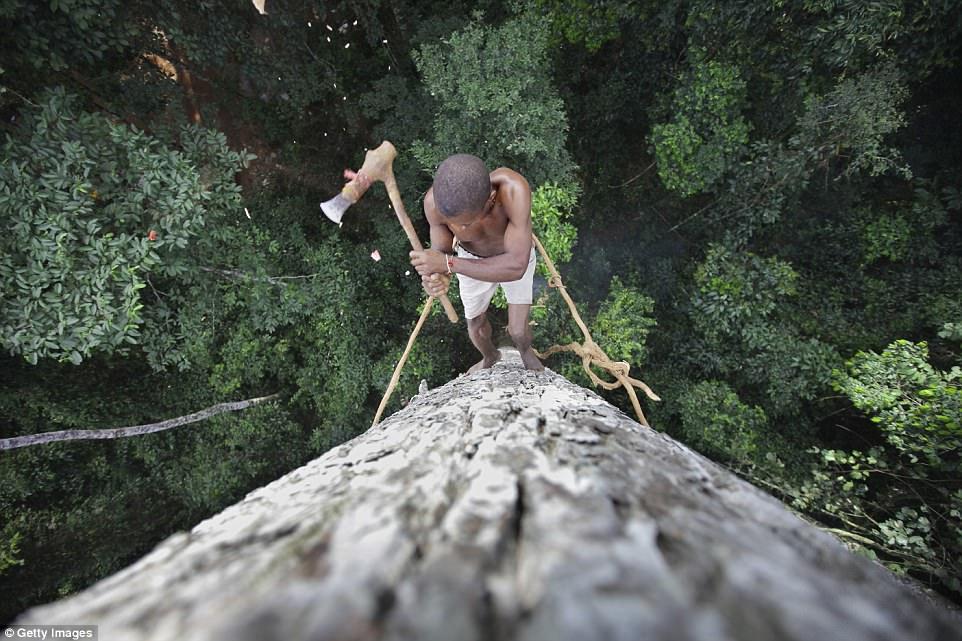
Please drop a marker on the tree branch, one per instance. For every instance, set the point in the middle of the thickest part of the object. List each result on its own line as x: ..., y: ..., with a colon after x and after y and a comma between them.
x: 234, y: 274
x: 135, y: 430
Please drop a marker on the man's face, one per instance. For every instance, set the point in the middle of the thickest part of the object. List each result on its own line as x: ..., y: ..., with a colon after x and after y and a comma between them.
x: 465, y: 220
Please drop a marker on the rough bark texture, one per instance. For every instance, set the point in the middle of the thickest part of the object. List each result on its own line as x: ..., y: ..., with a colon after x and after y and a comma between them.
x: 505, y: 505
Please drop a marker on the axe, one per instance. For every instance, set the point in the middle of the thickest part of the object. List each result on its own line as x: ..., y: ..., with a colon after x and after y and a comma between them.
x: 379, y: 165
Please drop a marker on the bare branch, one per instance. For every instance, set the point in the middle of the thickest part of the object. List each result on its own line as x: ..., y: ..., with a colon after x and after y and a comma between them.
x: 234, y: 274
x: 135, y: 430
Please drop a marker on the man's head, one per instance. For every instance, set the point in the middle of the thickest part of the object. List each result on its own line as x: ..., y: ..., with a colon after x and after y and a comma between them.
x: 462, y: 187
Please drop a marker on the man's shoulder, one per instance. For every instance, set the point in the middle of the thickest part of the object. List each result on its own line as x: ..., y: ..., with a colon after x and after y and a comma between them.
x: 507, y: 174
x: 510, y: 182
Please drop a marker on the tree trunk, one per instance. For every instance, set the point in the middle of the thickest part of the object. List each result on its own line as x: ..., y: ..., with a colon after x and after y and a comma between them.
x: 505, y: 505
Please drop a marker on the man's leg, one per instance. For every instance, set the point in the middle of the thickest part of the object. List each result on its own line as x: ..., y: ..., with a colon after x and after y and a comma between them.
x: 520, y: 333
x: 479, y: 330
x: 475, y: 296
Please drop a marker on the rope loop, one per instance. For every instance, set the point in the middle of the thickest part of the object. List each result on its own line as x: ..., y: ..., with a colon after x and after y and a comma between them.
x: 555, y: 282
x: 589, y: 351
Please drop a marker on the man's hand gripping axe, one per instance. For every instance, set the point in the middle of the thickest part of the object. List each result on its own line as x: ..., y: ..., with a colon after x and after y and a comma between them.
x: 379, y: 165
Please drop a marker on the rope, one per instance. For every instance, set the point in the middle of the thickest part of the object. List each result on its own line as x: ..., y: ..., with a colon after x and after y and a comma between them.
x: 589, y: 351
x: 407, y: 350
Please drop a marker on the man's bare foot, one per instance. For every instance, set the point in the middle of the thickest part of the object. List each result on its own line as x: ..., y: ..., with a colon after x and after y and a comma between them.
x: 485, y: 363
x: 531, y: 361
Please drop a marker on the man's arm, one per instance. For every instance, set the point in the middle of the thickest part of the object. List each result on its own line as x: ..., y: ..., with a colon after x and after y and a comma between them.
x: 441, y: 237
x: 442, y: 240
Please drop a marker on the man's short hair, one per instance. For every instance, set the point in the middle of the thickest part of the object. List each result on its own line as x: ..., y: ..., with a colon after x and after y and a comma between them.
x: 461, y: 184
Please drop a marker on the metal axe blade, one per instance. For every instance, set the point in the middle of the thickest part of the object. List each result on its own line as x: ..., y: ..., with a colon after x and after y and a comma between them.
x: 335, y: 207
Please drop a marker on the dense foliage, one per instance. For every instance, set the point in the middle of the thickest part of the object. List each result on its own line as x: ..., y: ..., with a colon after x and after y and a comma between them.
x: 757, y: 205
x: 94, y: 209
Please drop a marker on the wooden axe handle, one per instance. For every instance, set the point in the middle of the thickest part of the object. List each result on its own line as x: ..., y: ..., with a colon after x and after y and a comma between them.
x: 379, y: 165
x: 398, y: 204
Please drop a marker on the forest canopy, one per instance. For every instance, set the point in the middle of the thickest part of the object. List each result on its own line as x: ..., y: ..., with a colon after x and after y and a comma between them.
x: 757, y: 205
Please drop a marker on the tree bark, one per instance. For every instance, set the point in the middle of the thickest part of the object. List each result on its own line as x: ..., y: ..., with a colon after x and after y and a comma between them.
x: 505, y: 505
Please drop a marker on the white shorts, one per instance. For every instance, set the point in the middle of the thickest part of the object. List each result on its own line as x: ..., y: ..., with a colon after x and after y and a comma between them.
x: 476, y: 294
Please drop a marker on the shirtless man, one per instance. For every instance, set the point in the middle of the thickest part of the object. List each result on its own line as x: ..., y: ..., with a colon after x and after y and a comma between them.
x: 490, y: 217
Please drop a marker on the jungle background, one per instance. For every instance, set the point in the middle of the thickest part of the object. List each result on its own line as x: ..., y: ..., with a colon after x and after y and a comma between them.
x: 756, y: 204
